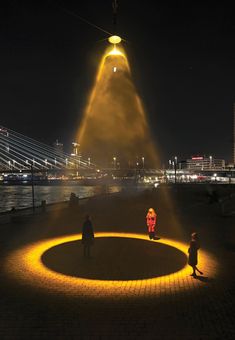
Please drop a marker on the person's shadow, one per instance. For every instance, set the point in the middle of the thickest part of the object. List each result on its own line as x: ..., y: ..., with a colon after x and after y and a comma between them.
x: 205, y: 279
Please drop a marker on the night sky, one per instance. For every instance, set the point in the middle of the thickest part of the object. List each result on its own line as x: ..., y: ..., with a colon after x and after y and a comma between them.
x: 182, y: 59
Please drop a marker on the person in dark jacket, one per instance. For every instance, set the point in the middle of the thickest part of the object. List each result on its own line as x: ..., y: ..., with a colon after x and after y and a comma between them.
x: 87, y: 236
x: 193, y: 254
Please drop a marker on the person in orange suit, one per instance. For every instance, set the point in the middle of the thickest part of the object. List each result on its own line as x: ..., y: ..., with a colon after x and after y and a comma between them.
x: 151, y: 220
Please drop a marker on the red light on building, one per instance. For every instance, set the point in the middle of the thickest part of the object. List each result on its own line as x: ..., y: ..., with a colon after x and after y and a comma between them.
x: 197, y: 158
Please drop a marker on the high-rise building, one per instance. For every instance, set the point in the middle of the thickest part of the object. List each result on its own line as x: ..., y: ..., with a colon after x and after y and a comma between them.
x: 205, y: 163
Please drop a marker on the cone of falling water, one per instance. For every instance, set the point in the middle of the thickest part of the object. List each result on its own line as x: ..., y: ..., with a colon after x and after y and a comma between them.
x: 114, y: 121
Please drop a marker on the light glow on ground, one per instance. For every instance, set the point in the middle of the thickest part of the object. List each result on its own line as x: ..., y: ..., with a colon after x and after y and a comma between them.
x: 25, y: 265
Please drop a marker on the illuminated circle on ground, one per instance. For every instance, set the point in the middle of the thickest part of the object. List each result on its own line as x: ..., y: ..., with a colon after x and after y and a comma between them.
x: 114, y: 39
x: 25, y: 265
x: 115, y: 259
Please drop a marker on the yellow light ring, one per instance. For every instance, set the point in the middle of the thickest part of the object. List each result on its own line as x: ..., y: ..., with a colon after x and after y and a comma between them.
x: 25, y: 265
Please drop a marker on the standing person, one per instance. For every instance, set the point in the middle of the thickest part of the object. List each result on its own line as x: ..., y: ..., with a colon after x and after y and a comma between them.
x: 151, y: 220
x: 87, y: 236
x: 193, y: 249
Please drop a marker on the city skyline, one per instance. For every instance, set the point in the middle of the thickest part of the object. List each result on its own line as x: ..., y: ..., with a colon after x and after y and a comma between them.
x: 181, y: 58
x: 19, y: 152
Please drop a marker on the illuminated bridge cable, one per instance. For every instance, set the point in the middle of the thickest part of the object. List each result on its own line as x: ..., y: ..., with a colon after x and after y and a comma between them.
x: 16, y: 160
x: 46, y: 148
x: 21, y: 152
x: 24, y: 151
x: 24, y: 161
x: 32, y: 144
x: 35, y: 144
x: 31, y: 149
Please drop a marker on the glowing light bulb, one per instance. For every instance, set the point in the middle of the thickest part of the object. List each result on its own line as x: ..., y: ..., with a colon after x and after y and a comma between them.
x: 114, y: 39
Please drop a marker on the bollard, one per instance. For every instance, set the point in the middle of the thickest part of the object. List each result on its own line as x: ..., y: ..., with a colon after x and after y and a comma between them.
x: 74, y: 200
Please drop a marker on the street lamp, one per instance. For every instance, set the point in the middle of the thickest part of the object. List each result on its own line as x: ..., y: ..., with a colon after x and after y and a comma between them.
x: 230, y: 174
x: 175, y: 164
x: 169, y: 163
x: 114, y: 162
x: 143, y: 162
x: 210, y: 164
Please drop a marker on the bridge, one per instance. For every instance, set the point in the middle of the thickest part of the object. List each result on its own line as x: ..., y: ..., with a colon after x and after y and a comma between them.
x: 22, y: 153
x: 19, y: 153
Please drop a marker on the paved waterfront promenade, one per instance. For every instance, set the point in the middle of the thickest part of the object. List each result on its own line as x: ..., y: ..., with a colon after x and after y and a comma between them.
x: 131, y: 288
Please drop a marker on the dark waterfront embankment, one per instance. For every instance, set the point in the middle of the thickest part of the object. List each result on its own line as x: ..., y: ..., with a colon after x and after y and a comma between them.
x: 20, y: 196
x: 195, y: 205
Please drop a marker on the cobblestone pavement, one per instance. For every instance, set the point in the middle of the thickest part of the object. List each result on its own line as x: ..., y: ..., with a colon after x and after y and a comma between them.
x: 51, y: 304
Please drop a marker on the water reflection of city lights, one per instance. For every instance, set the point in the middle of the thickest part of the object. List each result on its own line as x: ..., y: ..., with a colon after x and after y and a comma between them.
x: 25, y: 265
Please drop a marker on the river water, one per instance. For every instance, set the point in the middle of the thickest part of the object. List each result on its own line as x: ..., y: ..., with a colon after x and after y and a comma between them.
x: 20, y: 196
